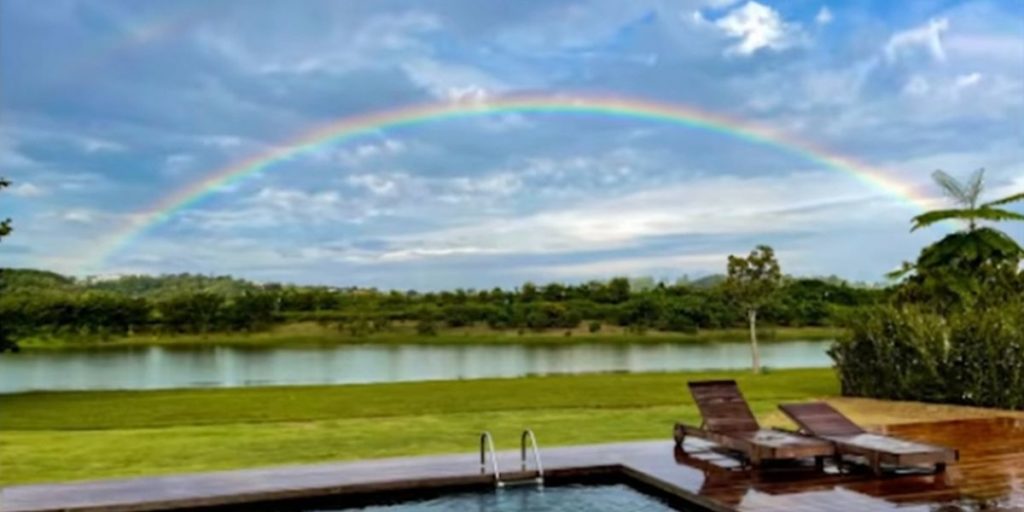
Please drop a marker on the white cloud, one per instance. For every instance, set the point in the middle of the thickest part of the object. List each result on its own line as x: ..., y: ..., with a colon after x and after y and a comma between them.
x: 177, y: 163
x: 361, y: 154
x: 927, y: 37
x: 453, y: 82
x: 26, y: 189
x: 968, y: 80
x: 91, y: 145
x: 377, y: 185
x: 917, y: 86
x: 824, y: 16
x: 79, y: 216
x: 757, y: 27
x: 636, y: 266
x: 221, y: 141
x: 717, y: 205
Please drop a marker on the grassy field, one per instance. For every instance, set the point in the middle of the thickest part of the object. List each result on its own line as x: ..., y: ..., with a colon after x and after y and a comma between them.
x: 87, y: 435
x: 311, y: 334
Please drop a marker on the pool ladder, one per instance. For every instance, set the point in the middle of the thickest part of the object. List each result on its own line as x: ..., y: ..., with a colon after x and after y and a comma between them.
x: 523, y: 476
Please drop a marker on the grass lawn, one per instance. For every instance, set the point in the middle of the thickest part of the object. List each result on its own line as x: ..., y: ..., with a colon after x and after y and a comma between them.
x: 312, y: 334
x: 87, y: 435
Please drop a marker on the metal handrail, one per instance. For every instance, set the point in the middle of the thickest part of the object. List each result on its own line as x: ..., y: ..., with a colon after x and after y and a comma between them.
x: 528, y: 434
x: 487, y: 445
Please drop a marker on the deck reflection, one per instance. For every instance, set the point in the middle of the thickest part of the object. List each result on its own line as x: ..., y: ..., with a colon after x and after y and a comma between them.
x: 989, y: 476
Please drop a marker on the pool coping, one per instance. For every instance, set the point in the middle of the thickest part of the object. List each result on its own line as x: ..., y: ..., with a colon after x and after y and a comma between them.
x: 622, y: 462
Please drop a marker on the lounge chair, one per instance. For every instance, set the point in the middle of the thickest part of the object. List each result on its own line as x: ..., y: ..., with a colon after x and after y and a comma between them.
x: 820, y: 419
x: 729, y: 423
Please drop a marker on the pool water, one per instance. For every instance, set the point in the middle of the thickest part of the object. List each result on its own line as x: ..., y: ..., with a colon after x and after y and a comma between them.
x: 572, y: 498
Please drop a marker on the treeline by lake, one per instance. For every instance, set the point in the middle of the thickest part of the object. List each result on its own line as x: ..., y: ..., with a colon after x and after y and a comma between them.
x: 36, y: 303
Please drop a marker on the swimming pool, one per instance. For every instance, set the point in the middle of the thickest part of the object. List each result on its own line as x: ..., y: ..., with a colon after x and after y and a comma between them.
x: 569, y: 498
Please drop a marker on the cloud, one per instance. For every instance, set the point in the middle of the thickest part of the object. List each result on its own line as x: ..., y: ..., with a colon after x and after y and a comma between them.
x: 362, y: 153
x: 927, y: 37
x: 758, y: 27
x: 719, y: 205
x: 968, y: 80
x: 377, y: 185
x: 26, y: 189
x: 634, y: 266
x: 80, y: 216
x: 91, y: 145
x: 824, y: 16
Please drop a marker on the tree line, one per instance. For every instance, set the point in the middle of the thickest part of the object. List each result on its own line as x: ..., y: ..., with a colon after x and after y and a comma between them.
x: 39, y: 303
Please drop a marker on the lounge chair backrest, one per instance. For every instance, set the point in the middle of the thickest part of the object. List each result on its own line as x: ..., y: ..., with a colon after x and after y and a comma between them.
x: 821, y: 419
x: 722, y: 406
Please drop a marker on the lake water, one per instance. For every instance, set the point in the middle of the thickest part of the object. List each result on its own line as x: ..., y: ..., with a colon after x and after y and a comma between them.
x: 162, y: 368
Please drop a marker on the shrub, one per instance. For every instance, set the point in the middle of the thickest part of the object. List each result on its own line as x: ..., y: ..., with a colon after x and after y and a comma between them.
x: 594, y: 326
x: 971, y: 358
x: 426, y: 327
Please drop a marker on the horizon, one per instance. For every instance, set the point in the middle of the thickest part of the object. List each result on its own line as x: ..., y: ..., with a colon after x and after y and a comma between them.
x: 117, y: 111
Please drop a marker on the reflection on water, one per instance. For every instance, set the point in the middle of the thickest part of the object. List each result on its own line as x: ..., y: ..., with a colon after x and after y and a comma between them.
x: 158, y: 367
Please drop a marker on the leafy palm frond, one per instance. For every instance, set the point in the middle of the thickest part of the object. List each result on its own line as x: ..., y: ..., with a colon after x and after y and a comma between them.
x: 996, y: 214
x: 975, y: 184
x: 928, y: 218
x: 1006, y: 200
x: 951, y: 186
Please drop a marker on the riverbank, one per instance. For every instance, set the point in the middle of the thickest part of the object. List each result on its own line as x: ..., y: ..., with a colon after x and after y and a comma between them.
x: 88, y: 435
x: 311, y: 334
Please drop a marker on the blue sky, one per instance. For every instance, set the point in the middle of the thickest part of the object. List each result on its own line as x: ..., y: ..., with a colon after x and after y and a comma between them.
x: 107, y: 106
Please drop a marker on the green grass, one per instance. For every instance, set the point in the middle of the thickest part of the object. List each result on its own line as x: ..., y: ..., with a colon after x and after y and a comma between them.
x: 85, y: 435
x: 311, y: 334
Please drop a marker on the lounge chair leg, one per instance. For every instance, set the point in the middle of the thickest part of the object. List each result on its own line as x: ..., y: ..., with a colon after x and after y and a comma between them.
x: 679, y: 434
x: 876, y: 464
x: 940, y: 467
x: 819, y: 462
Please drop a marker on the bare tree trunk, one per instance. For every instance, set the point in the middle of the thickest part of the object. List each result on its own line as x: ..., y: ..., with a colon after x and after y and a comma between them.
x: 755, y: 354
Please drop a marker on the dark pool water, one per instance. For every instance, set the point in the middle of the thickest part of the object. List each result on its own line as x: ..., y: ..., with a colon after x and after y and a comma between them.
x: 576, y: 498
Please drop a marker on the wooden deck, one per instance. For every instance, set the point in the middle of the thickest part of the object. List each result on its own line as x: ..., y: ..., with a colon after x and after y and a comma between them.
x: 989, y: 476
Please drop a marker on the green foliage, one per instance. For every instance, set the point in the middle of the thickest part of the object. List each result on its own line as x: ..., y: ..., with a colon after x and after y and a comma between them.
x: 426, y: 327
x: 974, y: 357
x: 47, y: 305
x: 753, y: 281
x: 5, y: 224
x: 594, y: 326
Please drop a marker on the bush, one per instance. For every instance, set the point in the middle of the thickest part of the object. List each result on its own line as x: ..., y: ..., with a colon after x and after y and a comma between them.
x: 971, y: 358
x: 594, y: 326
x: 426, y: 327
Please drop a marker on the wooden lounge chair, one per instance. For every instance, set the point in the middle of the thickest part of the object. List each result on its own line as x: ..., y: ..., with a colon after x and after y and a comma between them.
x: 822, y: 420
x: 729, y: 423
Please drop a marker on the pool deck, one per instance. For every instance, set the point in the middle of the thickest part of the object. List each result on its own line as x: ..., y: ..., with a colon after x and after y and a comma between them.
x: 990, y: 475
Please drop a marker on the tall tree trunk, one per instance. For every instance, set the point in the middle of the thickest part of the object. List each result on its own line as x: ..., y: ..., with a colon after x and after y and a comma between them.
x: 755, y: 354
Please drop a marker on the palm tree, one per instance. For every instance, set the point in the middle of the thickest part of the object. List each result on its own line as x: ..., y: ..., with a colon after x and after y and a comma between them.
x: 966, y: 196
x: 961, y: 262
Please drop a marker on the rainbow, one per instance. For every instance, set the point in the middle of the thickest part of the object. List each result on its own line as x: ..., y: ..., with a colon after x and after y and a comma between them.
x: 349, y: 128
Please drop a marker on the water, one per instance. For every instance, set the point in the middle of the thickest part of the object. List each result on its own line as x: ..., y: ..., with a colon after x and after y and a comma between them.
x: 164, y: 368
x: 575, y: 498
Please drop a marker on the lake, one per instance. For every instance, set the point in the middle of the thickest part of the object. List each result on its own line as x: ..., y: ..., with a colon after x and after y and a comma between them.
x: 165, y: 368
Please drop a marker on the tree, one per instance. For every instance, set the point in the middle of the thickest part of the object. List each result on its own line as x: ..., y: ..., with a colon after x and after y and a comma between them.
x: 5, y: 229
x: 963, y: 266
x: 752, y: 282
x: 966, y: 196
x: 5, y: 225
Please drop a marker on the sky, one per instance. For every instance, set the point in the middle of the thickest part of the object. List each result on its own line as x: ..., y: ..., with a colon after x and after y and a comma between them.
x: 109, y: 107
